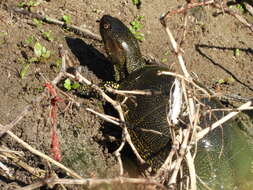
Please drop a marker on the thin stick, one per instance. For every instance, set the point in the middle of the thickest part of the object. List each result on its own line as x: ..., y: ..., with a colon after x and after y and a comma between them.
x: 115, y: 104
x: 42, y: 155
x: 91, y: 182
x: 188, y: 6
x: 192, y: 114
x: 249, y: 8
x: 204, y: 132
x: 18, y: 161
x: 80, y: 31
x: 105, y: 117
x: 198, y: 86
x: 230, y: 109
x: 173, y: 178
x: 5, y: 128
x: 234, y: 14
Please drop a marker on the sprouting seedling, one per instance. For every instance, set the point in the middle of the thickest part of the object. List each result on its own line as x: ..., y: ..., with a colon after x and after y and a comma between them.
x: 66, y: 19
x: 135, y: 27
x: 48, y: 35
x: 25, y: 68
x: 30, y: 40
x: 68, y: 85
x: 37, y: 22
x: 228, y: 80
x: 237, y: 52
x: 137, y: 3
x: 28, y: 5
x: 24, y: 71
x: 41, y: 51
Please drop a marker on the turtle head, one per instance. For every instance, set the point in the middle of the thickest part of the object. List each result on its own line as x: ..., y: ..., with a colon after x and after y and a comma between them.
x: 121, y: 46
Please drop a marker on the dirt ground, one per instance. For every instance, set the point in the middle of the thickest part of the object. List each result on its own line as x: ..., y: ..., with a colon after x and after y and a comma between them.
x: 217, y: 50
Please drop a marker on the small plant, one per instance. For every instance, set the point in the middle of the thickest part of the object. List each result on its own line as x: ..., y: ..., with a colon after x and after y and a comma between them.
x: 37, y: 22
x: 41, y: 51
x: 58, y: 63
x: 228, y: 80
x: 237, y: 52
x: 28, y: 5
x: 68, y: 85
x: 137, y: 3
x: 240, y: 7
x: 25, y: 67
x: 24, y: 71
x: 135, y: 28
x: 30, y: 40
x: 97, y: 11
x: 66, y: 19
x: 165, y: 59
x: 48, y: 35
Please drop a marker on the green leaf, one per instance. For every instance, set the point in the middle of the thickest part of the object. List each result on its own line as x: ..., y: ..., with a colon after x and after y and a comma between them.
x: 46, y: 54
x: 48, y: 35
x: 58, y: 63
x: 21, y: 4
x: 32, y: 3
x: 33, y: 59
x: 221, y: 81
x: 66, y: 19
x: 136, y: 25
x: 37, y: 22
x: 24, y: 70
x: 136, y: 2
x: 30, y: 40
x: 164, y: 60
x: 67, y: 84
x: 230, y: 80
x: 41, y: 51
x: 237, y: 52
x: 38, y: 49
x: 75, y: 85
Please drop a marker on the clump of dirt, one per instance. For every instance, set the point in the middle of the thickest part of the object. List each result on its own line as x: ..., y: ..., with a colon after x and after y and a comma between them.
x: 217, y: 48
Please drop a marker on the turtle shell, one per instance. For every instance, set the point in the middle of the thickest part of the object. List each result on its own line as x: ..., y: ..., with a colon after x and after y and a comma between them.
x: 146, y: 115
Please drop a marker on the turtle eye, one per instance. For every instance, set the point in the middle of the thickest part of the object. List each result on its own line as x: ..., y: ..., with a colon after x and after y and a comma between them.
x: 107, y: 26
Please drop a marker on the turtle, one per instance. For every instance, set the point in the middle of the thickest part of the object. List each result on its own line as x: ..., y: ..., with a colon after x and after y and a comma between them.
x: 218, y: 163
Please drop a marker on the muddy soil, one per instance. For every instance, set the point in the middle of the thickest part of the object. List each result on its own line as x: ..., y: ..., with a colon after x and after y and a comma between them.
x: 217, y: 50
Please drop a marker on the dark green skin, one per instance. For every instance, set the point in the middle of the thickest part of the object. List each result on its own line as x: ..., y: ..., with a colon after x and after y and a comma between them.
x: 121, y: 47
x: 224, y: 158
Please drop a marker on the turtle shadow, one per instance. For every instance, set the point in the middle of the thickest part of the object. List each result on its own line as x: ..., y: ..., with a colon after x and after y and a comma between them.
x: 90, y: 57
x: 97, y: 63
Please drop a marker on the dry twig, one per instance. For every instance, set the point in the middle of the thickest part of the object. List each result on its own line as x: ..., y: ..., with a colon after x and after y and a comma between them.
x: 234, y: 14
x: 185, y: 8
x: 204, y: 132
x: 91, y: 182
x: 42, y: 155
x: 191, y: 112
x: 80, y: 31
